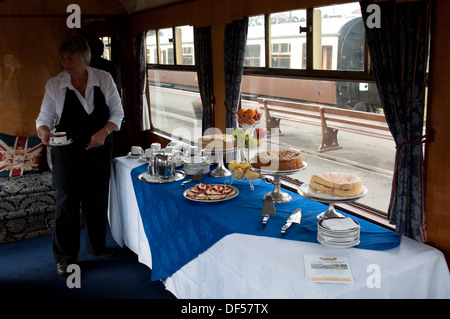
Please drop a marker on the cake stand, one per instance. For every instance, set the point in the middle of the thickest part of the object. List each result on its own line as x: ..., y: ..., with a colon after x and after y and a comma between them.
x: 220, y: 170
x: 329, y: 199
x: 278, y: 196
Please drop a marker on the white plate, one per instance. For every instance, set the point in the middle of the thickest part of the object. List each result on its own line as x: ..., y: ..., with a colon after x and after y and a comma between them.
x: 307, y: 192
x: 61, y: 144
x: 336, y: 245
x: 270, y: 172
x: 322, y: 225
x: 213, y: 200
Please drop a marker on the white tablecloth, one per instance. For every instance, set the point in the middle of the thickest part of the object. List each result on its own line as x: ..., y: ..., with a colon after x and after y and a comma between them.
x: 243, y: 266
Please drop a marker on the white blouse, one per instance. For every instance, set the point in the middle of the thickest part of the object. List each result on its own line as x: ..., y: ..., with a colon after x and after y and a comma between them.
x: 55, y: 93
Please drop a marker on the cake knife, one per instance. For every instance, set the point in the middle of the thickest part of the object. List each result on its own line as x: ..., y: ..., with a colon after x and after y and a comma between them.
x: 268, y: 209
x: 295, y: 218
x: 197, y: 178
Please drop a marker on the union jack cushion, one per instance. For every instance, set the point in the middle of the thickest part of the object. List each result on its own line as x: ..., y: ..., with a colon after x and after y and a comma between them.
x: 19, y: 155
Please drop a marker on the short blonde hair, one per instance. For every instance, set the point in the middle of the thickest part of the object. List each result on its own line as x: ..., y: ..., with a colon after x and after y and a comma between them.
x: 76, y: 43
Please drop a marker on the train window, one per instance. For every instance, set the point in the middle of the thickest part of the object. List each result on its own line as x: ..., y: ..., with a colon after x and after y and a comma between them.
x: 106, y: 48
x: 253, y: 55
x: 286, y: 40
x: 305, y: 42
x: 175, y: 106
x: 255, y: 49
x: 184, y: 45
x: 340, y: 27
x: 165, y: 41
x: 152, y: 49
x: 281, y: 55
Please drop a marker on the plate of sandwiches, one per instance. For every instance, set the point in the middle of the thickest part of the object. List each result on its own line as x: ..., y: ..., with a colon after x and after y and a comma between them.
x: 333, y: 186
x: 210, y: 192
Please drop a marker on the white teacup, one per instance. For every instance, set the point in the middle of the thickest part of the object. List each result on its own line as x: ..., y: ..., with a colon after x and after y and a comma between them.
x: 136, y: 150
x: 58, y: 138
x: 148, y: 153
x: 156, y: 147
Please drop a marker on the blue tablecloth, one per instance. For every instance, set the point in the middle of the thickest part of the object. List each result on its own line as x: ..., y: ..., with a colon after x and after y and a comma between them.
x: 179, y: 229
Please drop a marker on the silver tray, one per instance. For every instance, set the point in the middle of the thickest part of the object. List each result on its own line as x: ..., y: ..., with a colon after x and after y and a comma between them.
x: 146, y: 177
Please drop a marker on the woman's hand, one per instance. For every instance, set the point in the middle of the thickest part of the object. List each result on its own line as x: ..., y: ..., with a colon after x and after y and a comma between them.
x: 97, y: 140
x: 45, y: 134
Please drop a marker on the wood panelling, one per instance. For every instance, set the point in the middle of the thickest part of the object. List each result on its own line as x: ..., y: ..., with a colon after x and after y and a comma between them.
x: 28, y: 58
x: 58, y: 7
x: 438, y: 152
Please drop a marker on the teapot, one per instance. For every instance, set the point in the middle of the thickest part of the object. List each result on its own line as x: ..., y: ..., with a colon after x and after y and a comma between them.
x: 162, y: 166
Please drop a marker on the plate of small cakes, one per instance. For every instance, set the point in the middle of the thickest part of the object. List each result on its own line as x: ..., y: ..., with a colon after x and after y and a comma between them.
x: 210, y: 192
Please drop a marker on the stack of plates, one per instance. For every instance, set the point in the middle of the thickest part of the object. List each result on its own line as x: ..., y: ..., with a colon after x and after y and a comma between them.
x: 338, y: 232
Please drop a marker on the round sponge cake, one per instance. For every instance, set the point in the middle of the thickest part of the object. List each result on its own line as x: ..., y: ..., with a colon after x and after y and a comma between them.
x: 217, y: 141
x: 278, y: 160
x: 336, y: 183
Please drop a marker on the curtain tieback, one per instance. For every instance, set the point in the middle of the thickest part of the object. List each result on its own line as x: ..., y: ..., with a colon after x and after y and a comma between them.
x: 424, y: 138
x: 213, y: 101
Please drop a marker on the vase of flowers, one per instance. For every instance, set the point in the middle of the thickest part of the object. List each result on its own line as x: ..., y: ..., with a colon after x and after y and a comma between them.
x: 198, y: 108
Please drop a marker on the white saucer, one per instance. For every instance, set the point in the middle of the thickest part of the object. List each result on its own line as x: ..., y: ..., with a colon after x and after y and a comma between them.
x: 61, y: 144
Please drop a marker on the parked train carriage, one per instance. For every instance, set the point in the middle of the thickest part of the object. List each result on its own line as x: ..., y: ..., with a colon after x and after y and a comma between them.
x: 341, y: 50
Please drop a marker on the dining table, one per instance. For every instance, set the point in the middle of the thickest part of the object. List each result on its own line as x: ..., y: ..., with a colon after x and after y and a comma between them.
x: 221, y: 249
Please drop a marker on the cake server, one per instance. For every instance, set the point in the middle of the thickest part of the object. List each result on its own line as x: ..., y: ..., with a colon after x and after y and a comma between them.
x: 197, y: 178
x: 268, y: 209
x: 295, y: 218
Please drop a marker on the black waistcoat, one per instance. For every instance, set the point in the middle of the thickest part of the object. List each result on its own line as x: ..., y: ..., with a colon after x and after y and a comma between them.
x: 75, y: 168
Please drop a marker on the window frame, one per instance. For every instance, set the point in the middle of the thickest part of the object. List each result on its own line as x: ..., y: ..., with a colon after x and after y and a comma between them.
x: 175, y: 66
x: 309, y: 72
x: 165, y: 67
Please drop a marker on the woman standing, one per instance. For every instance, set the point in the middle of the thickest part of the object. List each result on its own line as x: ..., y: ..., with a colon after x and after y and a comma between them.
x: 84, y: 103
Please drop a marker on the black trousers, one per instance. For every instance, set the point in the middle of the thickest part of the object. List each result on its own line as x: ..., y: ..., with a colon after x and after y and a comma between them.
x: 82, y: 183
x: 70, y: 207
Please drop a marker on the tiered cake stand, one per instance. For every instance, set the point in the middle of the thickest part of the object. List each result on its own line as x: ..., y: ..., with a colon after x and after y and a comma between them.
x: 220, y: 170
x: 278, y: 196
x: 306, y: 192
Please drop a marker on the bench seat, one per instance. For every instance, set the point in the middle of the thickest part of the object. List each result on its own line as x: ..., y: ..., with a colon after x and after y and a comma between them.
x: 330, y: 119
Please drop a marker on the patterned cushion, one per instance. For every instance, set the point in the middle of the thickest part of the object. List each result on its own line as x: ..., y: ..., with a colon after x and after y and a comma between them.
x: 19, y: 155
x: 27, y: 205
x: 36, y: 183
